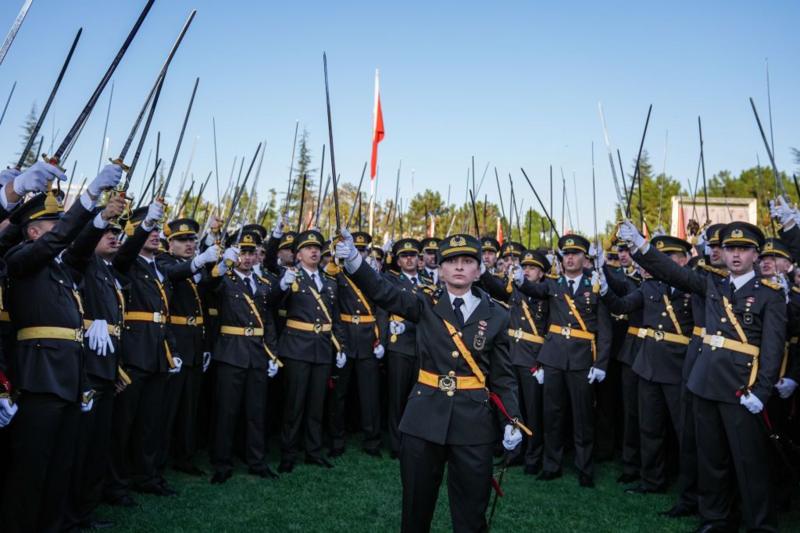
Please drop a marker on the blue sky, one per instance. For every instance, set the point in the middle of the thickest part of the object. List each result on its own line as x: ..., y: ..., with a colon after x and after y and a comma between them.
x: 512, y: 83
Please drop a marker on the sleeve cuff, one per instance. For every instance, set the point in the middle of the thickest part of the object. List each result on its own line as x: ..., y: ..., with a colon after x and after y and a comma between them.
x: 352, y: 266
x: 87, y: 202
x: 98, y: 222
x: 4, y: 201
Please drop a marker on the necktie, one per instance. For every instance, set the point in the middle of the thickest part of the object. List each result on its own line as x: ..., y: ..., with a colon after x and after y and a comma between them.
x: 414, y: 280
x: 571, y: 287
x: 249, y: 282
x: 457, y: 303
x: 314, y: 280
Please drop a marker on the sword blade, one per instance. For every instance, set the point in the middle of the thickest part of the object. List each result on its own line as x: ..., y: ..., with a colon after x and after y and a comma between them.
x: 180, y: 138
x: 12, y: 33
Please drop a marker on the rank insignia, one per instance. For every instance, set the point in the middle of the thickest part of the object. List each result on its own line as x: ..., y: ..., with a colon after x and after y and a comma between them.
x: 751, y: 300
x: 480, y: 340
x: 747, y: 318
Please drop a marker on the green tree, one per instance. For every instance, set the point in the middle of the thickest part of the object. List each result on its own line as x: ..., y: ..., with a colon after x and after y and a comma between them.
x: 27, y: 130
x: 656, y: 194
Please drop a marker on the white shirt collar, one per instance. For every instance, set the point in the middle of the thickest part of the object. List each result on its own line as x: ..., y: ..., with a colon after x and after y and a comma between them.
x: 740, y: 281
x: 470, y: 303
x: 415, y: 276
x: 242, y: 275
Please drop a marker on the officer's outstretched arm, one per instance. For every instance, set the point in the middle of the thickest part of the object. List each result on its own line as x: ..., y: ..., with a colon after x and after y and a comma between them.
x: 623, y: 305
x: 502, y: 378
x: 792, y: 239
x: 386, y: 294
x: 773, y: 338
x: 604, y: 334
x: 665, y: 269
x: 495, y: 286
x: 130, y: 249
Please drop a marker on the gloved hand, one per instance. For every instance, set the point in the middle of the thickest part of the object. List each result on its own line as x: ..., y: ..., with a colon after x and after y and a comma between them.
x: 786, y: 387
x: 595, y: 374
x: 600, y: 260
x: 346, y: 248
x: 289, y: 277
x: 86, y: 405
x: 108, y: 178
x: 8, y: 174
x: 379, y: 351
x: 387, y: 245
x: 627, y: 232
x: 782, y: 212
x: 511, y: 437
x: 155, y: 212
x: 272, y: 369
x: 702, y: 241
x: 206, y: 361
x: 99, y: 339
x: 397, y: 328
x: 751, y: 403
x: 210, y: 255
x: 781, y: 280
x: 539, y: 375
x: 231, y: 255
x: 37, y: 178
x: 519, y: 276
x: 341, y: 359
x: 7, y: 411
x: 280, y: 223
x: 178, y: 364
x: 599, y: 278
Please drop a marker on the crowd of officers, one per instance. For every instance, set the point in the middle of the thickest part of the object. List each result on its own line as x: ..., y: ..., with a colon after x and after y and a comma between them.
x: 128, y: 344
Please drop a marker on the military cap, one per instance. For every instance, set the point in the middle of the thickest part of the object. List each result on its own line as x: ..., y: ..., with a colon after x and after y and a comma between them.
x: 775, y: 248
x: 459, y: 245
x: 535, y: 258
x: 613, y: 252
x: 181, y: 227
x: 741, y: 234
x: 287, y: 240
x: 406, y: 246
x: 249, y: 240
x: 362, y: 240
x: 309, y: 238
x: 135, y: 218
x: 511, y: 248
x: 712, y: 234
x: 573, y: 243
x: 431, y: 244
x: 258, y: 228
x: 490, y: 244
x: 378, y: 253
x: 326, y: 249
x: 670, y: 245
x: 43, y: 206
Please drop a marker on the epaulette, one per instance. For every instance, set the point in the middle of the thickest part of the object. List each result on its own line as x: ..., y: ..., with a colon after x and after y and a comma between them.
x: 503, y: 304
x: 796, y: 289
x: 500, y: 275
x: 771, y: 284
x: 552, y: 276
x: 721, y: 272
x: 332, y: 269
x: 264, y: 280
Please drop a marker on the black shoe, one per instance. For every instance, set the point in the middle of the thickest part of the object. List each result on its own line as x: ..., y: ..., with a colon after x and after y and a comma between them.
x: 188, y: 468
x: 373, y: 452
x: 679, y: 511
x: 627, y: 478
x: 549, y: 476
x: 263, y: 472
x: 122, y: 501
x: 532, y: 470
x: 318, y: 461
x: 92, y: 524
x: 335, y: 452
x: 220, y: 477
x: 641, y: 489
x: 586, y: 481
x: 285, y: 467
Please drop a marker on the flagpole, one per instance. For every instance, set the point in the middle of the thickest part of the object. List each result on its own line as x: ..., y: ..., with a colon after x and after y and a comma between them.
x: 372, y: 199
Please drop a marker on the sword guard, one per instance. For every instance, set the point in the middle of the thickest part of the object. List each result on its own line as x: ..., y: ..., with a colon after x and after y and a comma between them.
x: 120, y: 163
x: 53, y: 161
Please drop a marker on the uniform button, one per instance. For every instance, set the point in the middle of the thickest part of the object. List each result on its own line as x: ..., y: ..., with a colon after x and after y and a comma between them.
x: 419, y: 393
x: 664, y: 314
x: 570, y: 312
x: 452, y: 373
x: 660, y: 326
x: 749, y: 365
x: 723, y: 320
x: 450, y: 393
x: 454, y: 353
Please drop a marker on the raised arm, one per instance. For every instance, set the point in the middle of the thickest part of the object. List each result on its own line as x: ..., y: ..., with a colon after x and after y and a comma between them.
x: 661, y: 267
x: 622, y: 305
x: 495, y: 286
x: 386, y: 294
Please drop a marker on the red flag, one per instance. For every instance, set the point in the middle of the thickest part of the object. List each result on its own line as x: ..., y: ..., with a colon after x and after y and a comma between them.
x: 499, y: 233
x: 377, y: 128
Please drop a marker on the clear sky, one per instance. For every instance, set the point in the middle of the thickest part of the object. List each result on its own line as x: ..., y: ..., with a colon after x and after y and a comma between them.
x: 512, y: 83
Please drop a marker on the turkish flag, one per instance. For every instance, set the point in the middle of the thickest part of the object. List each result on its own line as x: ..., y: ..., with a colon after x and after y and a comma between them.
x: 377, y: 128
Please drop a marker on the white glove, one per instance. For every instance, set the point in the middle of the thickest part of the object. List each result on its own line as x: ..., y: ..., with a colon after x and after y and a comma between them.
x: 272, y: 369
x: 379, y: 351
x: 7, y: 411
x: 289, y: 277
x: 397, y: 328
x: 752, y: 403
x: 784, y: 213
x: 178, y: 364
x: 108, y: 178
x: 387, y: 245
x: 786, y: 387
x: 539, y: 375
x: 600, y: 260
x: 511, y: 437
x: 346, y: 248
x: 341, y: 359
x: 37, y: 178
x: 206, y: 361
x: 155, y: 212
x: 595, y: 374
x: 231, y: 254
x: 209, y: 256
x: 8, y: 174
x: 781, y: 280
x: 99, y: 339
x: 519, y: 276
x: 702, y: 241
x: 599, y: 278
x: 87, y: 406
x: 280, y: 223
x: 627, y: 232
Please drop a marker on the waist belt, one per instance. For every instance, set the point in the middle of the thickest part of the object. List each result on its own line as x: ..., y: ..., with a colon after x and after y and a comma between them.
x: 449, y: 383
x: 113, y: 329
x: 665, y: 336
x: 241, y: 332
x: 145, y: 316
x: 186, y: 320
x: 634, y: 331
x: 570, y: 332
x: 718, y: 341
x: 212, y: 311
x: 518, y: 334
x: 357, y: 319
x: 4, y: 316
x: 700, y: 332
x: 49, y: 332
x: 307, y: 326
x: 282, y: 313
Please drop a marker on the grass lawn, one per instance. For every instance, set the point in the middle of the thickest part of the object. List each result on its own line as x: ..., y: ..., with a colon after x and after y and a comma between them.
x: 363, y: 494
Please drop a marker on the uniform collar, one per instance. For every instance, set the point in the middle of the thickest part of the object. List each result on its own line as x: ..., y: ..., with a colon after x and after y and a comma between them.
x: 741, y: 281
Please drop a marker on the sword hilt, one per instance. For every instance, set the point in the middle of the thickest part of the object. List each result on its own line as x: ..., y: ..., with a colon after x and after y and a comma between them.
x: 118, y: 161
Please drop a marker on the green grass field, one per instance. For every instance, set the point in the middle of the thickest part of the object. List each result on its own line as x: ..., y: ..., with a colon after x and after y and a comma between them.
x: 363, y: 494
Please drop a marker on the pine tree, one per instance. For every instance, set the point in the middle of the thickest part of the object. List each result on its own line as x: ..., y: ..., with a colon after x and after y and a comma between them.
x: 27, y: 131
x: 302, y: 167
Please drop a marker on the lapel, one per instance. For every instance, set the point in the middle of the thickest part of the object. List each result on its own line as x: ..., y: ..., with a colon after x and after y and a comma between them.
x: 482, y: 312
x: 444, y: 309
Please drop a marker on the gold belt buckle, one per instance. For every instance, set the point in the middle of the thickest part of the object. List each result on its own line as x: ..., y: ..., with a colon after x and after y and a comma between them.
x: 518, y: 334
x: 658, y: 336
x: 157, y: 318
x: 191, y: 321
x: 642, y: 333
x: 249, y: 332
x: 356, y: 319
x: 318, y: 328
x: 78, y: 335
x: 116, y: 330
x: 717, y: 341
x: 566, y: 331
x: 447, y: 383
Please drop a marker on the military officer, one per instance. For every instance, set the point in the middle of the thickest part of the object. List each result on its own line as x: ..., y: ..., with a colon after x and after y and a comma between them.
x: 430, y: 267
x: 463, y: 344
x: 489, y: 249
